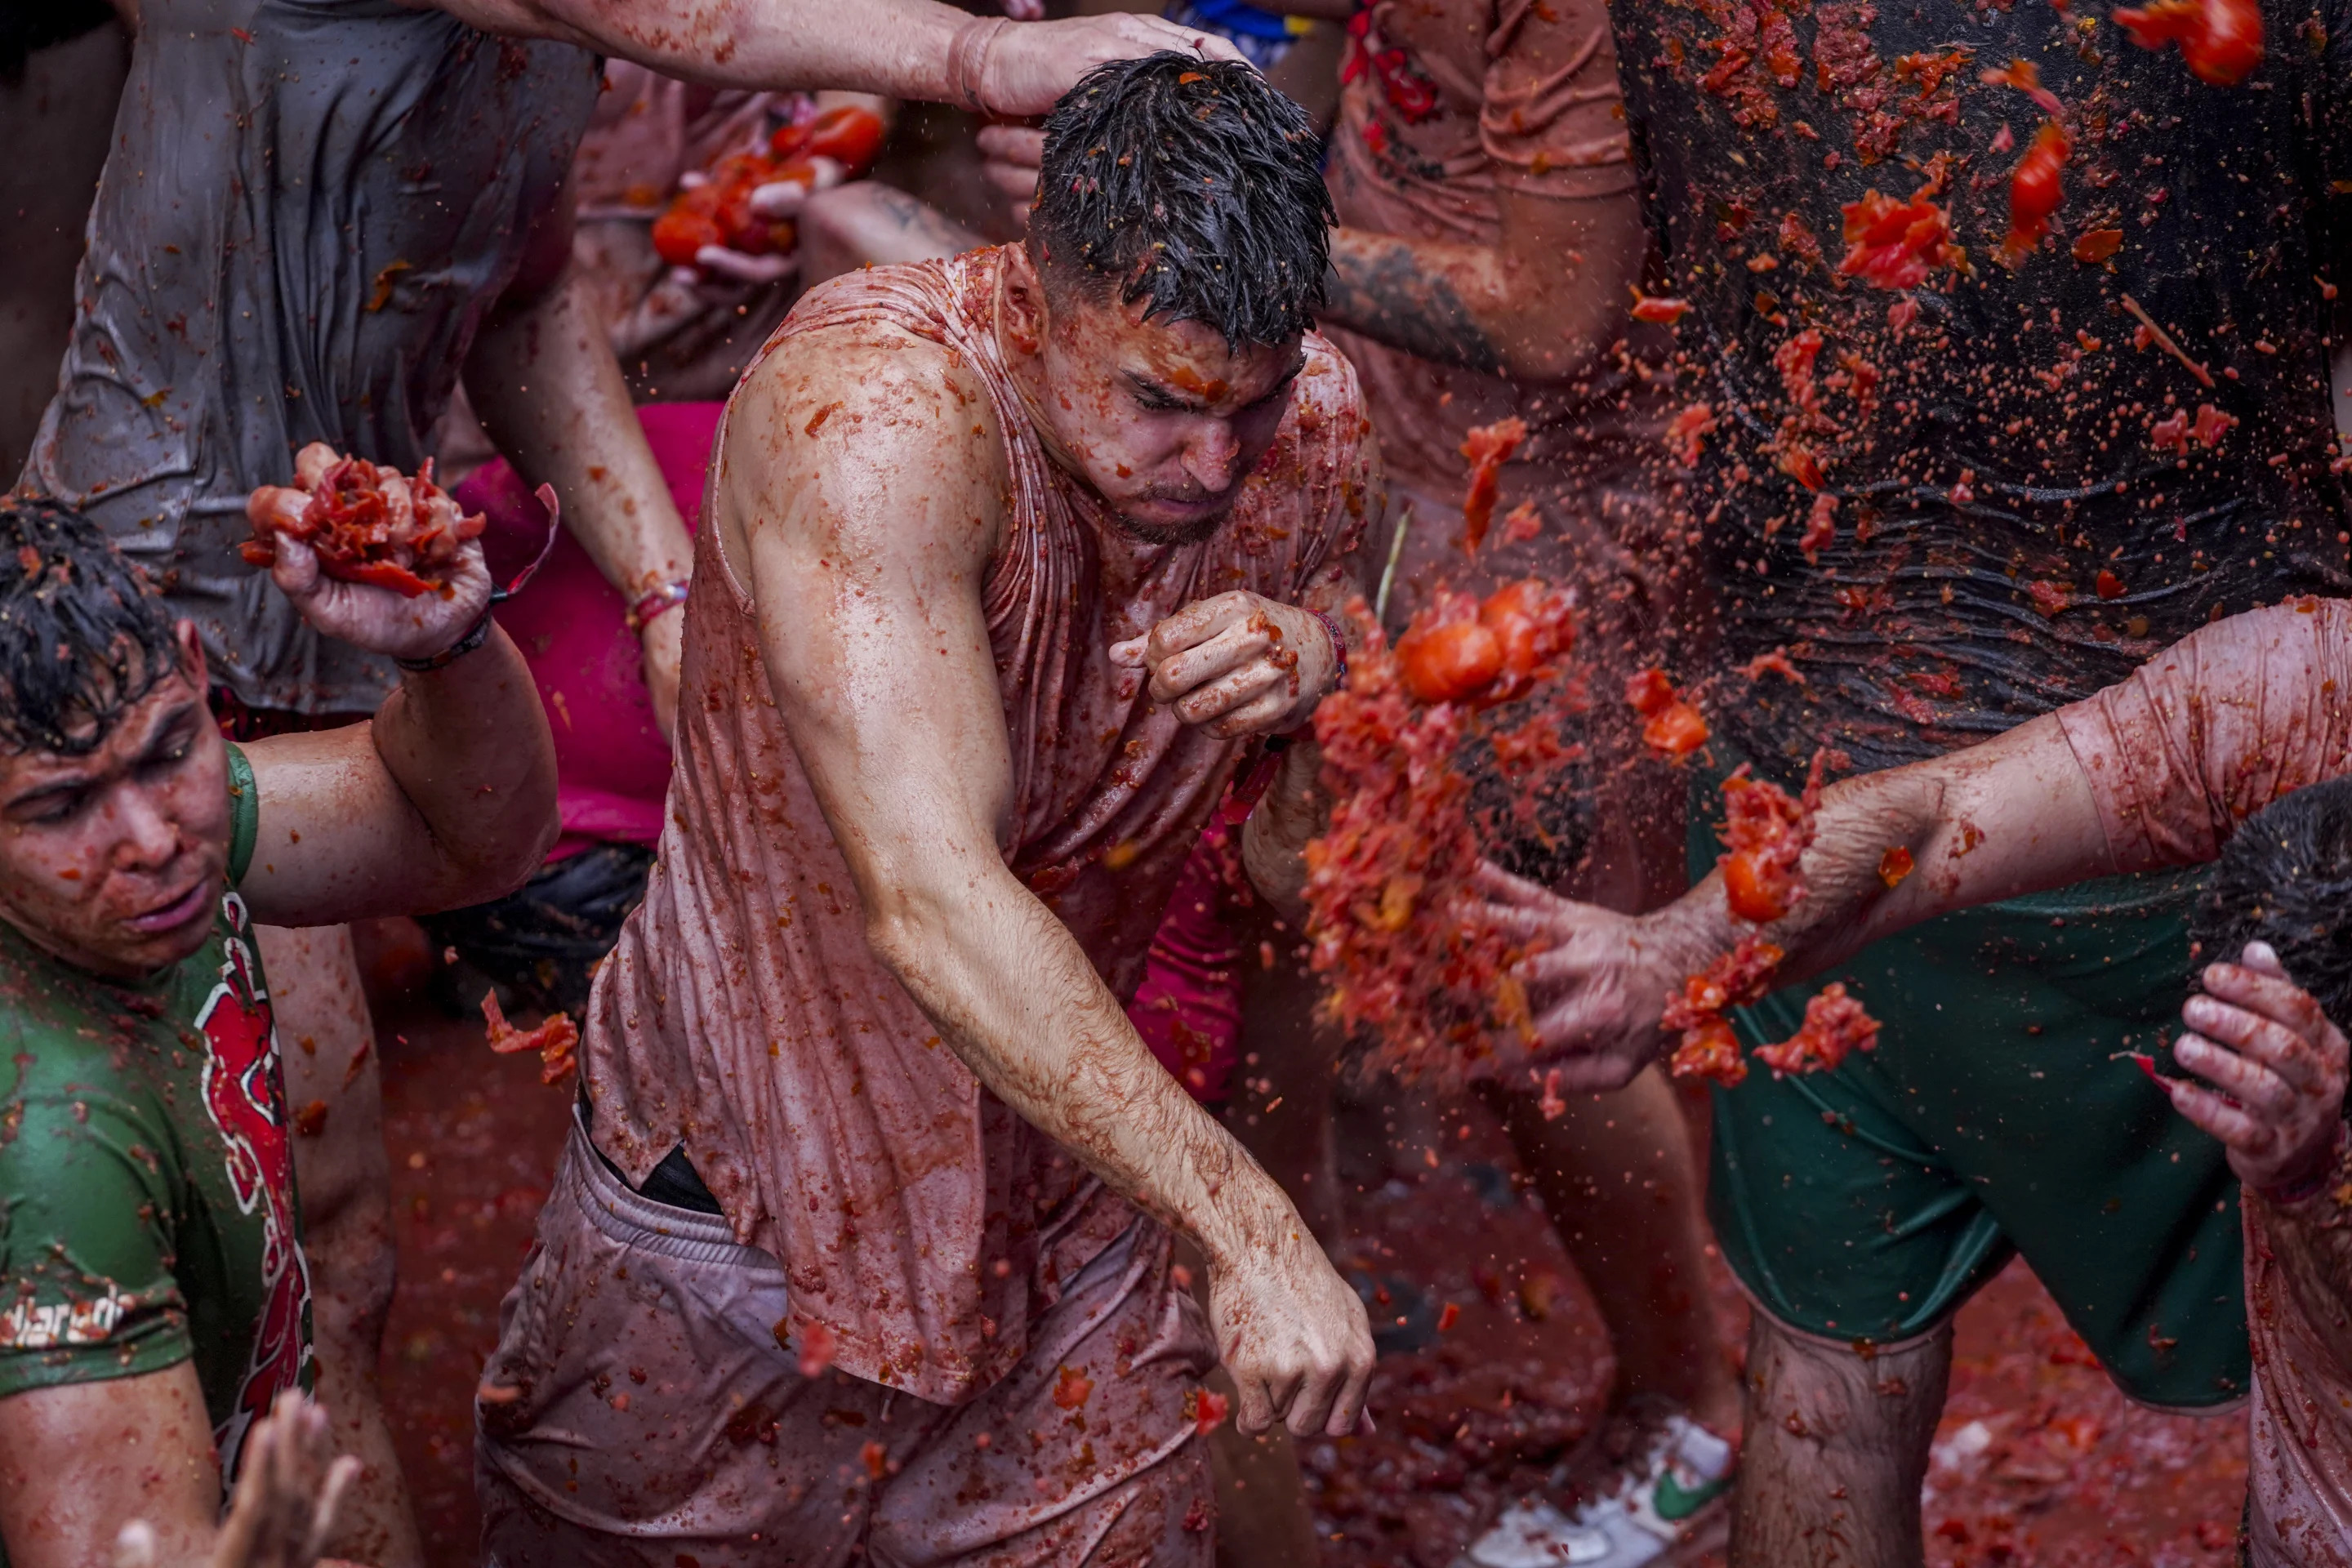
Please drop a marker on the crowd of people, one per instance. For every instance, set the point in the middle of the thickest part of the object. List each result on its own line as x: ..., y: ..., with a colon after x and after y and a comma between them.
x: 822, y: 542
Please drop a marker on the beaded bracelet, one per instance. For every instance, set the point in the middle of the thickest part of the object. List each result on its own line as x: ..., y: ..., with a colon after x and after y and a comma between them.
x: 1338, y: 647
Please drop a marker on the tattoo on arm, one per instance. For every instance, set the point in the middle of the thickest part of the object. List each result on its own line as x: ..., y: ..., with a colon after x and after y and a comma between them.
x: 922, y: 222
x: 1384, y: 293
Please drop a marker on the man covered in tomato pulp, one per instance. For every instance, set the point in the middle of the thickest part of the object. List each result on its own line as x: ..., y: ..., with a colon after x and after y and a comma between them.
x: 1010, y: 558
x: 155, y: 1300
x: 2005, y: 364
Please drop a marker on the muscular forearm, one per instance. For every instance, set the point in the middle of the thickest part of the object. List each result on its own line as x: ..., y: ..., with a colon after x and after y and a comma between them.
x: 898, y: 48
x: 2009, y: 816
x: 1015, y: 997
x: 548, y: 390
x: 469, y: 748
x: 1432, y: 299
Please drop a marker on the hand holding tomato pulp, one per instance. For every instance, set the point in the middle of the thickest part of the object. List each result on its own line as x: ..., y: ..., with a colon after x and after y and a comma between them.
x: 838, y: 145
x: 367, y: 524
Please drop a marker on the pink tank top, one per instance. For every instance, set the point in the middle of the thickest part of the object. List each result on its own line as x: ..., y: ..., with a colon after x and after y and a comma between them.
x: 742, y: 1014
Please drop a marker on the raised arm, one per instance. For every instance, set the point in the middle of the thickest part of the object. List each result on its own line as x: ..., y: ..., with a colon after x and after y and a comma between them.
x: 2153, y: 770
x: 898, y: 48
x: 446, y: 798
x: 544, y: 382
x: 866, y: 509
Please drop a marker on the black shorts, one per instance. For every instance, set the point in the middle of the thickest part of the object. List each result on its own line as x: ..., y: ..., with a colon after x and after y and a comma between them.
x: 541, y: 942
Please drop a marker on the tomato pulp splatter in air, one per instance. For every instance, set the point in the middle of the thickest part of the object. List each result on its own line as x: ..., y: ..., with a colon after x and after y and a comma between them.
x: 2220, y: 40
x: 555, y: 1039
x: 1673, y: 727
x: 1897, y: 244
x: 1388, y: 882
x: 366, y: 523
x: 1766, y: 833
x: 1489, y: 448
x: 2034, y: 191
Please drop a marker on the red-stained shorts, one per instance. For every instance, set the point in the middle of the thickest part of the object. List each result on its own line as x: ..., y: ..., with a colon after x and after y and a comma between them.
x: 660, y: 1424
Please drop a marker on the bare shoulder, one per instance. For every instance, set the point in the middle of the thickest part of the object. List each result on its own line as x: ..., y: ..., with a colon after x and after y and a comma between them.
x: 1327, y: 390
x: 860, y: 428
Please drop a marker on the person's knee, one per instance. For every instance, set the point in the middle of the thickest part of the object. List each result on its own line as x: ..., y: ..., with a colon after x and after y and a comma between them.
x: 1864, y: 1403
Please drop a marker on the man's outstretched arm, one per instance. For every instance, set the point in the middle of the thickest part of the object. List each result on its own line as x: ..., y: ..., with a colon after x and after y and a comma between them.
x: 2152, y: 772
x: 866, y: 508
x: 898, y: 48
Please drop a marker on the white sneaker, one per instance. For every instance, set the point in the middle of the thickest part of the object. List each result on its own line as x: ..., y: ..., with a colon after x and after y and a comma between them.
x: 1663, y: 1485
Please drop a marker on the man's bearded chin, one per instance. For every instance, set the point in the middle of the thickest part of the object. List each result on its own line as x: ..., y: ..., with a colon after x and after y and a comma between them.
x: 1177, y: 533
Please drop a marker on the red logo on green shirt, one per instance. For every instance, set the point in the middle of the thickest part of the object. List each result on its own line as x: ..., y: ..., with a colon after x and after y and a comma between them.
x: 246, y: 1102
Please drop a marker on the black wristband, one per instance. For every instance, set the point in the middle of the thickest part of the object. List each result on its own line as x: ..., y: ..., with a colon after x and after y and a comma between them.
x: 473, y: 639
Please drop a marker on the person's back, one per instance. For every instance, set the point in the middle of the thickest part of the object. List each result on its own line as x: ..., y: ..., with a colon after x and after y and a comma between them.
x: 1957, y: 474
x: 308, y: 209
x: 2026, y: 500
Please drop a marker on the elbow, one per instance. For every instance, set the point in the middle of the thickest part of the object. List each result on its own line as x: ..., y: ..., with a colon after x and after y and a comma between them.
x: 906, y: 925
x: 505, y: 861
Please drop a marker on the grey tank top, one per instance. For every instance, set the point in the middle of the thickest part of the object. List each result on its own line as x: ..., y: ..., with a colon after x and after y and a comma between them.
x: 309, y: 206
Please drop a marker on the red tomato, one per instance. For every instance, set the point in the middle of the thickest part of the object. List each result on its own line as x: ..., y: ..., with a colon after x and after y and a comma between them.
x: 1650, y: 693
x: 1680, y: 729
x: 1448, y: 663
x: 850, y: 137
x: 2232, y: 44
x: 680, y: 233
x: 2109, y: 586
x: 2034, y: 188
x: 1663, y: 311
x: 1517, y: 614
x: 1751, y: 898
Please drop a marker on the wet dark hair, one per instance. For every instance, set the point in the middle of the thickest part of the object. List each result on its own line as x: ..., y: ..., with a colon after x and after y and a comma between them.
x: 1192, y: 184
x: 83, y: 634
x: 2287, y: 879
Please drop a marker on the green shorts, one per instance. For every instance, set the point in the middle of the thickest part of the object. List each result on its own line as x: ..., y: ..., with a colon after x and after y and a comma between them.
x: 1993, y: 1118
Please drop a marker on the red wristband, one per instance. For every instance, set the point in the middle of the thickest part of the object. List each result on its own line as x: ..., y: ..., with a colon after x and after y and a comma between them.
x: 653, y: 602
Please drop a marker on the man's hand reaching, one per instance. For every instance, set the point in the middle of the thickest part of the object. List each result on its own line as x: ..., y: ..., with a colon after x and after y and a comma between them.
x: 1026, y: 66
x: 1238, y: 664
x: 1596, y: 980
x: 1010, y: 156
x: 2277, y: 1070
x: 286, y: 1499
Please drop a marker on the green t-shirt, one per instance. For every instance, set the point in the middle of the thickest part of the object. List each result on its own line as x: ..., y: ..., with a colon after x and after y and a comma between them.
x: 147, y: 1206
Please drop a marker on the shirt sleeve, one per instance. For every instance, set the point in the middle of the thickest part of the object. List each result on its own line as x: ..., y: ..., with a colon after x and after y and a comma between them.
x: 244, y: 814
x: 2215, y: 728
x: 1553, y: 120
x: 87, y: 1290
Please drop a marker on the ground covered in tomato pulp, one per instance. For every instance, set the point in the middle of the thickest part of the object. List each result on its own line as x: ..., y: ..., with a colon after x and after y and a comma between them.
x: 2038, y: 1461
